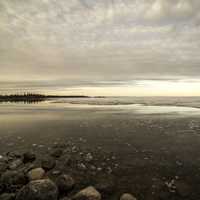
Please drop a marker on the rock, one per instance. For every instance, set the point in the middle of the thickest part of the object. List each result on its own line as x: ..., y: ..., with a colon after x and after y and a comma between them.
x: 89, y: 193
x: 13, y: 155
x: 29, y: 157
x: 3, y: 167
x: 15, y: 164
x: 67, y: 160
x: 38, y: 190
x: 7, y: 196
x: 183, y: 189
x: 48, y: 163
x: 74, y: 149
x: 65, y: 183
x: 59, y: 145
x: 88, y: 157
x: 109, y: 170
x: 28, y: 167
x: 127, y: 196
x: 57, y: 153
x: 82, y: 166
x: 36, y: 174
x: 13, y: 178
x: 92, y: 167
x: 56, y: 172
x: 99, y: 169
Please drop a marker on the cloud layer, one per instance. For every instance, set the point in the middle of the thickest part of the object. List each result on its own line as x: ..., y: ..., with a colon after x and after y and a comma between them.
x: 78, y: 41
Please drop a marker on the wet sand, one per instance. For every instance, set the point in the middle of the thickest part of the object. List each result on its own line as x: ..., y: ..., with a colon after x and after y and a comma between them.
x: 153, y: 151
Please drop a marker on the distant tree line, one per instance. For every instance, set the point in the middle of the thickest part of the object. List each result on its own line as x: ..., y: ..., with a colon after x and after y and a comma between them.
x: 33, y: 97
x: 26, y: 97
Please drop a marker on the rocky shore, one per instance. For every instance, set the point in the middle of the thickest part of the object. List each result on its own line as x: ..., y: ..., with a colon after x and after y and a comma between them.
x: 67, y: 171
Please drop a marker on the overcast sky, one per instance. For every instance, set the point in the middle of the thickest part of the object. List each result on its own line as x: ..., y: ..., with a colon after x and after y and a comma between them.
x: 100, y: 47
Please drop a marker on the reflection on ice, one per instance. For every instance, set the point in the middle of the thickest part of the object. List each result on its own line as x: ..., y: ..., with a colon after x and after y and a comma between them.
x: 146, y: 106
x: 167, y: 109
x: 130, y: 107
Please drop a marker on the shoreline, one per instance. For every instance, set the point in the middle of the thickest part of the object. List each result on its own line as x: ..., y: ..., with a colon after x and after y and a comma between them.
x: 86, y: 167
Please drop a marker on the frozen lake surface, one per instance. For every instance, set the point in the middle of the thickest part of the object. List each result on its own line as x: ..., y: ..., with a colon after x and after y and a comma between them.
x: 153, y: 138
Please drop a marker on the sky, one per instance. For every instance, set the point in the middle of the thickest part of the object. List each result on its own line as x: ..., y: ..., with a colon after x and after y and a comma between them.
x: 100, y: 47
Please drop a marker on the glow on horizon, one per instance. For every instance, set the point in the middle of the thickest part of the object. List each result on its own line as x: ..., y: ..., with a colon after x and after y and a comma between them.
x: 139, y: 88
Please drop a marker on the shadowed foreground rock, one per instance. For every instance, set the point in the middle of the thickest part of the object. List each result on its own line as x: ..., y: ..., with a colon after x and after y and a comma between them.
x: 65, y: 183
x: 12, y: 179
x: 29, y: 157
x: 48, y: 163
x: 7, y: 196
x: 127, y: 196
x: 63, y: 176
x: 38, y: 190
x: 15, y: 164
x: 89, y: 193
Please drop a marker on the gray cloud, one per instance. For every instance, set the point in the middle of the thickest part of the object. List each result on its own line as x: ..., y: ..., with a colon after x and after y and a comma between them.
x: 93, y: 41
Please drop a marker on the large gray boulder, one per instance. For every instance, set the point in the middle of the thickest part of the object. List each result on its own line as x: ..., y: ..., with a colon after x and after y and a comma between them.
x: 38, y: 190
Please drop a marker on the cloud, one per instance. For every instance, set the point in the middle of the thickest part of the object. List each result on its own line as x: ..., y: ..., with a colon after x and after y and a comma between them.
x: 98, y: 40
x: 174, y: 10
